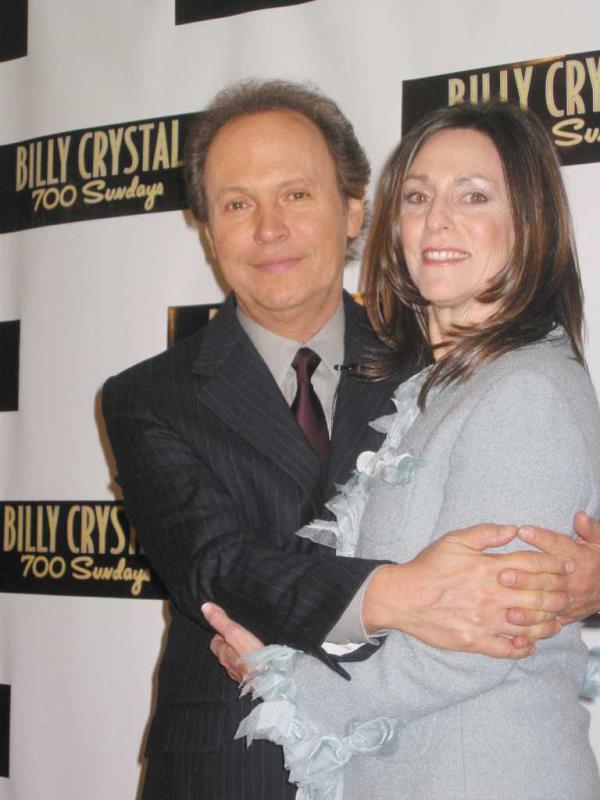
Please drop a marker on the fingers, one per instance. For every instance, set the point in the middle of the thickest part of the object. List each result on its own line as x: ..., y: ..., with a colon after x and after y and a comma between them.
x: 227, y: 658
x: 517, y: 647
x: 552, y: 543
x: 587, y: 528
x: 236, y: 636
x: 555, y: 602
x: 216, y: 617
x: 537, y: 561
x: 545, y: 630
x: 486, y: 535
x: 504, y: 647
x: 537, y: 596
x: 534, y: 605
x: 527, y: 617
x: 546, y: 581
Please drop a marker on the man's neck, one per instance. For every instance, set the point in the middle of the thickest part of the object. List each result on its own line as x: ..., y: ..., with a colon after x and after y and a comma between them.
x: 294, y: 324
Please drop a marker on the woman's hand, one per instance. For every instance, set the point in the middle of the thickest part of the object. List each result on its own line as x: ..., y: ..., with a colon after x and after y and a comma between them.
x: 231, y: 643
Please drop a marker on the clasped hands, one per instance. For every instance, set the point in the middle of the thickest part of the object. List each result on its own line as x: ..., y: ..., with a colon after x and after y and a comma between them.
x: 457, y: 595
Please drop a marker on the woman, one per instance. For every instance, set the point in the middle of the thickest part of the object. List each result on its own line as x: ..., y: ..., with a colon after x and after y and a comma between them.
x: 472, y: 270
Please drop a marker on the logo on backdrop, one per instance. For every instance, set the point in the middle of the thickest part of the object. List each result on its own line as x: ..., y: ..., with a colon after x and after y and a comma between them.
x: 82, y: 548
x: 193, y: 11
x: 73, y: 548
x: 10, y: 334
x: 130, y: 168
x: 564, y: 91
x: 13, y: 30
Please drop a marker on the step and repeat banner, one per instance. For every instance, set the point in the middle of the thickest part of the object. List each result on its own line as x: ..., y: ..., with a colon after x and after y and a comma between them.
x: 100, y: 267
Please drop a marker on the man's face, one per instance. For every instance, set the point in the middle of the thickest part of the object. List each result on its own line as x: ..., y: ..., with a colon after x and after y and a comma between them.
x: 277, y: 221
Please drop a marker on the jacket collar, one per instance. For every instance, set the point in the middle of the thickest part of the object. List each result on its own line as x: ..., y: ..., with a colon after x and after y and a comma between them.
x: 238, y: 387
x: 358, y: 402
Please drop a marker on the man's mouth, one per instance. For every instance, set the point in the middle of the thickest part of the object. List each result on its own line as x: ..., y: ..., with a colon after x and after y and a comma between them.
x: 277, y: 264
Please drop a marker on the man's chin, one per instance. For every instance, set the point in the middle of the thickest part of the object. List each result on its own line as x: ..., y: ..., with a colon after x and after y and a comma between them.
x: 289, y: 314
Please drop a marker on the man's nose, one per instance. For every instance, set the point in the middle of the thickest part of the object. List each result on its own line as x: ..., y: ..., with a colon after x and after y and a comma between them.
x: 270, y: 224
x: 439, y: 215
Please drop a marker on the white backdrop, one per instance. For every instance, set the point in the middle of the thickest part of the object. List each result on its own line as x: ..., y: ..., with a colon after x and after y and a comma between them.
x: 92, y: 297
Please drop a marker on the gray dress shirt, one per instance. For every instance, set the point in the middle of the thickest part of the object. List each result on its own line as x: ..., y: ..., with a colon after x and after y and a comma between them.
x: 278, y: 353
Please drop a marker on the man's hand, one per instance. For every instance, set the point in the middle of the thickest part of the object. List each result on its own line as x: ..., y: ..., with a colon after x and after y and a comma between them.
x: 231, y: 643
x: 583, y: 583
x: 450, y: 596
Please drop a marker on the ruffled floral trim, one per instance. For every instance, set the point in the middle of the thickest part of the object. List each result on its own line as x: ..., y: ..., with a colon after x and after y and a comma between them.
x: 590, y: 688
x: 315, y: 760
x: 391, y: 464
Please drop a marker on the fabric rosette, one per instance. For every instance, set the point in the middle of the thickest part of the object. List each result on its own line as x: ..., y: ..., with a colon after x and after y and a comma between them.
x: 314, y: 759
x: 391, y: 464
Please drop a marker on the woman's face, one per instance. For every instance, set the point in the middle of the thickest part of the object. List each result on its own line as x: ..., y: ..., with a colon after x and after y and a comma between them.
x: 456, y: 223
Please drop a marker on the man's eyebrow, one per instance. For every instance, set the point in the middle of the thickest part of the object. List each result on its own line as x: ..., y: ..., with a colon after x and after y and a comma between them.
x: 287, y: 182
x: 232, y: 188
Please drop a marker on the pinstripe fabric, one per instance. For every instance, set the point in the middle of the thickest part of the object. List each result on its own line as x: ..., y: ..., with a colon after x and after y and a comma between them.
x: 222, y: 774
x: 216, y: 477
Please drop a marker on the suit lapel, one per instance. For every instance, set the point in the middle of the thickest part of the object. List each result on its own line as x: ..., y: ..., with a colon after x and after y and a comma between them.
x: 238, y: 387
x: 358, y: 402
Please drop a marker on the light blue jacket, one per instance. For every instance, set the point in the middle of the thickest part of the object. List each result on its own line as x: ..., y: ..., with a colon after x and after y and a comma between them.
x: 517, y: 443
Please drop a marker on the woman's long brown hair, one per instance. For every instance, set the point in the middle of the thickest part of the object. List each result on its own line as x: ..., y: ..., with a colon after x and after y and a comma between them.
x: 536, y: 291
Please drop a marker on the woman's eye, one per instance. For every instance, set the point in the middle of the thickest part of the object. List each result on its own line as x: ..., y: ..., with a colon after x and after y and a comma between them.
x: 416, y: 197
x: 476, y: 197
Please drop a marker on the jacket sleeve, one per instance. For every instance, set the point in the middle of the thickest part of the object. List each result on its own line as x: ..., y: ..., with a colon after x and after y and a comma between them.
x: 519, y: 458
x: 199, y: 539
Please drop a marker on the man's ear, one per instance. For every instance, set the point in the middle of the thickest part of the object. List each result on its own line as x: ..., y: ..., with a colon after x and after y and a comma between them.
x: 207, y: 236
x: 356, y: 216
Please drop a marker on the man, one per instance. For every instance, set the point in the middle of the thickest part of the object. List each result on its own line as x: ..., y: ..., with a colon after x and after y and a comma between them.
x: 218, y: 472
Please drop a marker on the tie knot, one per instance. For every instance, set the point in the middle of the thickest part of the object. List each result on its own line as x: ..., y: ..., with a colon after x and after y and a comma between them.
x: 305, y: 362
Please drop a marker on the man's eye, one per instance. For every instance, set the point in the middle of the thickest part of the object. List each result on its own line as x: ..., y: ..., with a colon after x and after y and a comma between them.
x: 298, y: 195
x: 235, y: 205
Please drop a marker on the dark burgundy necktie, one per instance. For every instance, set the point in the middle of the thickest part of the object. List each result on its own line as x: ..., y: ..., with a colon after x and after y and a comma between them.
x: 306, y: 405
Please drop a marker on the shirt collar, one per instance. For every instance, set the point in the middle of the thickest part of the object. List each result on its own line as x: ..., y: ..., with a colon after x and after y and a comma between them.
x: 278, y: 352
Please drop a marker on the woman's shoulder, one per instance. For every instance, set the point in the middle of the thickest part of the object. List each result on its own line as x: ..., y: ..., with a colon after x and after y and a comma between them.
x: 544, y: 383
x: 550, y: 364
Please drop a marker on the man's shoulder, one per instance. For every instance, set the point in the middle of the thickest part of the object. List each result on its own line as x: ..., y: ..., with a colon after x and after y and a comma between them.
x: 143, y: 382
x: 170, y: 371
x: 180, y: 354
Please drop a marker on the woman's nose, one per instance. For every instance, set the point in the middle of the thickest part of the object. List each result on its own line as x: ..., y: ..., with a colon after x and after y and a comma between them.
x: 439, y: 215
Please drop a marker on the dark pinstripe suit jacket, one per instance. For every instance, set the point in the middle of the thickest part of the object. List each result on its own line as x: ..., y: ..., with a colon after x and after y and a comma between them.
x: 216, y: 477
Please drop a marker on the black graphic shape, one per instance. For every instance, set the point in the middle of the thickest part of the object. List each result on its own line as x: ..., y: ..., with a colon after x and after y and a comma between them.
x: 198, y: 10
x: 9, y: 365
x: 4, y: 729
x: 13, y: 29
x: 57, y: 179
x: 77, y: 548
x: 561, y: 90
x: 184, y: 320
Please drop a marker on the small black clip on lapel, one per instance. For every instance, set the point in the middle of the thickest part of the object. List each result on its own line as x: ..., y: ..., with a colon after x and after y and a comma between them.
x: 346, y: 367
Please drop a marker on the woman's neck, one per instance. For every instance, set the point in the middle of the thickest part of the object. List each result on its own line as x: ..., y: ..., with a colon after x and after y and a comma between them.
x: 442, y: 320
